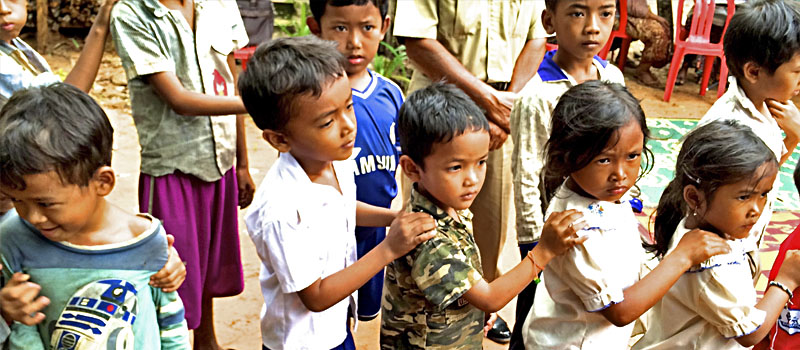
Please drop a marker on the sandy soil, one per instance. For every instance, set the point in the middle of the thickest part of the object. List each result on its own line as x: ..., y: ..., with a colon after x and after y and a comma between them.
x: 237, y: 318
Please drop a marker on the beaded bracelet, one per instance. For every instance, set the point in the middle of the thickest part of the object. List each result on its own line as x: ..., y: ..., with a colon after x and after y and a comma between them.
x: 536, y: 280
x: 783, y: 288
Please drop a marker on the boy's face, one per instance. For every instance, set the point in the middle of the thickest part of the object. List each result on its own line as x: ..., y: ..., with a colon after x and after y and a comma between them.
x: 60, y: 212
x: 455, y: 170
x: 358, y: 30
x: 582, y: 27
x: 784, y: 83
x: 13, y: 15
x: 320, y: 129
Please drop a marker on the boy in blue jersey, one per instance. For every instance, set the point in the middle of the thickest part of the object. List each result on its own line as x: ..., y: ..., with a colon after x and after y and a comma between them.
x: 358, y: 26
x: 92, y: 259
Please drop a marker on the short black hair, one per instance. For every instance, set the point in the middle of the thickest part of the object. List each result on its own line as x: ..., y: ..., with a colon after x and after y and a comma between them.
x: 282, y: 69
x: 318, y: 6
x: 53, y: 128
x: 550, y: 4
x: 436, y: 114
x: 585, y: 119
x: 765, y: 32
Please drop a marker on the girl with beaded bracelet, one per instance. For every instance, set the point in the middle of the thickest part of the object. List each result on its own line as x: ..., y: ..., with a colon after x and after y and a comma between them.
x: 722, y: 177
x: 596, y: 290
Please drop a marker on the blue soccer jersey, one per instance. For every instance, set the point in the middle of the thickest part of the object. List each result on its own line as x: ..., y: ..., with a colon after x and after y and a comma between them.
x: 376, y: 155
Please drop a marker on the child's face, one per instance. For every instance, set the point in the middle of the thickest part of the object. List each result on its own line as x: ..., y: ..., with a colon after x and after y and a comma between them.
x: 735, y: 208
x: 321, y: 129
x: 784, y: 83
x: 582, y: 27
x: 454, y: 171
x: 358, y: 30
x: 13, y: 15
x: 60, y: 212
x: 614, y: 171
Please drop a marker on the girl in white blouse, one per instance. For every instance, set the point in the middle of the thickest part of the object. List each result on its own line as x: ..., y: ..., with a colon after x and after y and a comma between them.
x: 595, y: 291
x: 722, y: 177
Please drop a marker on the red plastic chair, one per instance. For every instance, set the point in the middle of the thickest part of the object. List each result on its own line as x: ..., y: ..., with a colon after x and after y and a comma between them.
x: 698, y: 42
x: 244, y: 55
x: 619, y: 33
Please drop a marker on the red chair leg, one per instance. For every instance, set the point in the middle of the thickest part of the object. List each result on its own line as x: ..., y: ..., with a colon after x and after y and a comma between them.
x: 707, y: 67
x: 723, y: 77
x: 674, y: 67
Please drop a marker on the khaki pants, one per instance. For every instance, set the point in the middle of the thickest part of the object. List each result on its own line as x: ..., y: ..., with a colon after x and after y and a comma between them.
x: 493, y: 209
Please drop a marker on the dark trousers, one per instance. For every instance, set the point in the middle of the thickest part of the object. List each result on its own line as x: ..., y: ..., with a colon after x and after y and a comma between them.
x: 524, y: 305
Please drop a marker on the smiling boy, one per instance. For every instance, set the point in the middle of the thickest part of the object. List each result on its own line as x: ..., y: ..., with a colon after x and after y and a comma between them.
x: 358, y: 26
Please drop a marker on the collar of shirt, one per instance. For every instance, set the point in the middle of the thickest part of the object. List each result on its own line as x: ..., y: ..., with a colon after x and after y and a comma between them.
x: 549, y: 71
x: 738, y: 96
x: 419, y: 203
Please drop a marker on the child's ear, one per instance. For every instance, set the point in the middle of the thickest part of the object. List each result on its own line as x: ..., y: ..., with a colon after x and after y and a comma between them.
x: 410, y: 168
x: 752, y: 72
x: 103, y: 180
x: 695, y: 198
x: 277, y: 140
x: 547, y: 21
x: 313, y: 25
x: 386, y: 23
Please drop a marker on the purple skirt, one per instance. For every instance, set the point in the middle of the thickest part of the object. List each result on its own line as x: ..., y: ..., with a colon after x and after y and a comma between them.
x: 203, y: 217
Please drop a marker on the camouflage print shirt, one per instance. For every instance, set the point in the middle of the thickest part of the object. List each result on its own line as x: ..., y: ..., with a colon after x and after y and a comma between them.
x: 423, y: 306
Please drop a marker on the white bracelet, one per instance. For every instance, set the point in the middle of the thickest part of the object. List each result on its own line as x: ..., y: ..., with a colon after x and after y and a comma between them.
x: 783, y: 288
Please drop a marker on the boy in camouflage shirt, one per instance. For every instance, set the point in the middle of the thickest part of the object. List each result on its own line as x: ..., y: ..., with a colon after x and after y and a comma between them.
x: 435, y: 296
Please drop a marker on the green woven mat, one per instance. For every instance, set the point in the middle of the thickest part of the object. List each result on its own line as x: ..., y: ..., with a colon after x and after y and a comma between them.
x: 666, y: 134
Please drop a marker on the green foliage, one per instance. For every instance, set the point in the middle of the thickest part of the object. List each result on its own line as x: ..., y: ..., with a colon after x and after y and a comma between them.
x: 296, y: 26
x: 393, y: 65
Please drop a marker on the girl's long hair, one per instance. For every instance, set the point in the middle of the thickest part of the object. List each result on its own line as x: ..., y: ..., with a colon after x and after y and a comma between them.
x: 585, y: 119
x: 713, y: 155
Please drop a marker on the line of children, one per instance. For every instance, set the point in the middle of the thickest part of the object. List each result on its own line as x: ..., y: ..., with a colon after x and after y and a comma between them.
x: 596, y: 290
x: 92, y: 259
x: 358, y: 26
x: 436, y: 296
x: 298, y: 93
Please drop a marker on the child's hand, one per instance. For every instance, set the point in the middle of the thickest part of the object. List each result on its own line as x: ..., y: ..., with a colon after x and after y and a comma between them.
x: 787, y: 116
x: 491, y: 317
x: 172, y: 275
x: 559, y: 234
x: 247, y: 188
x: 19, y: 301
x: 789, y: 273
x: 407, y: 231
x: 699, y: 245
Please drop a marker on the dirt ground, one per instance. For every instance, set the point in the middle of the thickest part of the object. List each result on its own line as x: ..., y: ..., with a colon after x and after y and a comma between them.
x: 237, y: 318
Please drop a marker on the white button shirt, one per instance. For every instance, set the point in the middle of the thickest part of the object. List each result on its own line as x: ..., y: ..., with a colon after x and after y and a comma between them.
x: 302, y: 232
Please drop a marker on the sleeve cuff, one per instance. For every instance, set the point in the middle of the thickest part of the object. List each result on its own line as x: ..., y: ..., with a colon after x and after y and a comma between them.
x: 150, y: 68
x: 603, y: 300
x: 749, y: 324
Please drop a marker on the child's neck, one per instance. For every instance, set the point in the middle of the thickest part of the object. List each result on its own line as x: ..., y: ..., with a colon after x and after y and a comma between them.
x: 319, y: 172
x: 359, y: 81
x: 581, y: 69
x: 752, y: 94
x: 451, y: 212
x: 111, y: 225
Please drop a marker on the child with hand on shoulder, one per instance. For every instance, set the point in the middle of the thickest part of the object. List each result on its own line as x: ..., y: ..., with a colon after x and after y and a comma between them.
x: 436, y: 297
x: 357, y: 27
x: 596, y: 290
x: 304, y: 215
x: 723, y: 174
x: 91, y: 259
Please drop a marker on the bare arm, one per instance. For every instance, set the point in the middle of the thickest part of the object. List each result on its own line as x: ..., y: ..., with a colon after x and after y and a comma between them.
x: 85, y: 70
x: 373, y: 216
x: 409, y: 230
x: 244, y: 181
x: 185, y: 102
x: 527, y: 63
x: 694, y: 248
x: 558, y: 235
